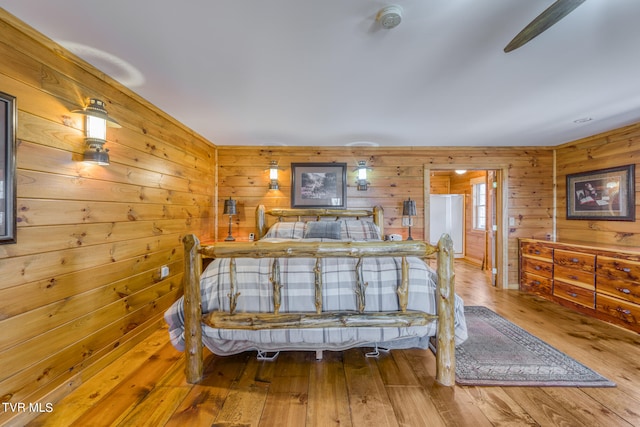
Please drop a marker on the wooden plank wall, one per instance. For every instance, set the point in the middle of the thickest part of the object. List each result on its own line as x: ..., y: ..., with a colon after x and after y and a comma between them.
x: 398, y: 173
x: 616, y: 148
x: 440, y: 182
x: 81, y: 285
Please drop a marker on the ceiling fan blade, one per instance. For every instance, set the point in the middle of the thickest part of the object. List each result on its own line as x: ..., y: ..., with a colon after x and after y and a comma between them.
x: 546, y: 19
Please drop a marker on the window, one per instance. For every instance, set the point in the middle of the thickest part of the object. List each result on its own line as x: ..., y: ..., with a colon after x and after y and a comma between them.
x: 479, y: 190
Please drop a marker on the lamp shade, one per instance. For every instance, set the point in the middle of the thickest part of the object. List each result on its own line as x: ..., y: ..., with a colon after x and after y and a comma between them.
x: 96, y: 127
x: 409, y: 208
x: 230, y: 207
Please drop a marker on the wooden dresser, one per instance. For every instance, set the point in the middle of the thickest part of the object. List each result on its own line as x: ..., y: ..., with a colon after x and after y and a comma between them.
x: 603, y: 282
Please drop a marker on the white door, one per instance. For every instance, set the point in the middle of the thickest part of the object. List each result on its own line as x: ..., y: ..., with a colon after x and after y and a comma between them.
x: 447, y: 216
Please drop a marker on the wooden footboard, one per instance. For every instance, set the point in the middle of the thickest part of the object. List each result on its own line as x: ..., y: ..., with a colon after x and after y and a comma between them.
x: 445, y: 354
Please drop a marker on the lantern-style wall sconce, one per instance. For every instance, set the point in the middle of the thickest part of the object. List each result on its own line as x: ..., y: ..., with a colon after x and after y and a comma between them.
x: 273, y: 175
x: 96, y: 124
x: 362, y: 169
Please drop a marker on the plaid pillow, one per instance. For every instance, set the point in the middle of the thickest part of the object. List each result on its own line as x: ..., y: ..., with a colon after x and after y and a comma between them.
x: 286, y: 230
x: 360, y: 230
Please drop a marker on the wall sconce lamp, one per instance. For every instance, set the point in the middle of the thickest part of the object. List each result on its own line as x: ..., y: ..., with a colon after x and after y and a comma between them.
x: 230, y: 209
x: 96, y: 123
x: 273, y: 175
x: 363, y: 184
x: 409, y: 210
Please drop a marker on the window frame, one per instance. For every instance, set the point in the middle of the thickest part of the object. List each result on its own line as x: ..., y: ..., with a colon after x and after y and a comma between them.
x: 476, y: 206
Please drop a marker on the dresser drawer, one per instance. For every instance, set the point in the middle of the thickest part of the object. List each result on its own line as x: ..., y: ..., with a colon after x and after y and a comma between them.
x: 577, y: 260
x: 622, y: 310
x: 576, y: 294
x: 573, y: 276
x: 537, y: 266
x: 536, y: 284
x: 622, y: 289
x: 536, y: 249
x: 618, y: 268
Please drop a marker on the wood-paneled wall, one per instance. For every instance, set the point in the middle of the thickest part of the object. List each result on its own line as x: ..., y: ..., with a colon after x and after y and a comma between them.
x: 440, y: 182
x: 616, y: 148
x: 398, y: 173
x: 81, y: 285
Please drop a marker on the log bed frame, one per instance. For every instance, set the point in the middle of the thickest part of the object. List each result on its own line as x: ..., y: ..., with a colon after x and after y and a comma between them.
x: 195, y: 253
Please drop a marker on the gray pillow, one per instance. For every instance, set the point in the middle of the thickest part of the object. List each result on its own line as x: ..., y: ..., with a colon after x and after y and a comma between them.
x: 322, y: 229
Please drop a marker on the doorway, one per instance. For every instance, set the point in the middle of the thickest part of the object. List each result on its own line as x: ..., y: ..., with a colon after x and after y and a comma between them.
x: 485, y: 239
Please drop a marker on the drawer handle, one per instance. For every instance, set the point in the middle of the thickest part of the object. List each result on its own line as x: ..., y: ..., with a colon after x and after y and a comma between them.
x: 575, y: 260
x: 623, y: 311
x: 626, y: 269
x: 572, y: 294
x: 624, y: 290
x: 536, y: 282
x: 536, y: 252
x: 573, y: 277
x: 537, y: 267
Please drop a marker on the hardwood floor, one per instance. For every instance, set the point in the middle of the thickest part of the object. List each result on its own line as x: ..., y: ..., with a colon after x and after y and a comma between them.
x: 146, y: 387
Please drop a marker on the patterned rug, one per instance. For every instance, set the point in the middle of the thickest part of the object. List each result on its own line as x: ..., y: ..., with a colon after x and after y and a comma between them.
x: 499, y: 353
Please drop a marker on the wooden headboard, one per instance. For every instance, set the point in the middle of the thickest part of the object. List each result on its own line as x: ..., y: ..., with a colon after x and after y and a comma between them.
x: 377, y: 215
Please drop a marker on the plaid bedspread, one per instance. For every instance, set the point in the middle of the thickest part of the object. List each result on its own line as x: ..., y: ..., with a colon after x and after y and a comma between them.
x: 298, y: 295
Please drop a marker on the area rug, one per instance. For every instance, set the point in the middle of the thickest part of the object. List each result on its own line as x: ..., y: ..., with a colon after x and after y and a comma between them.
x: 499, y: 353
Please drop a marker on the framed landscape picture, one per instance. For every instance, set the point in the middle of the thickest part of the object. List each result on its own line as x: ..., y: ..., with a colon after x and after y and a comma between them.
x: 319, y: 185
x: 7, y: 168
x: 604, y: 194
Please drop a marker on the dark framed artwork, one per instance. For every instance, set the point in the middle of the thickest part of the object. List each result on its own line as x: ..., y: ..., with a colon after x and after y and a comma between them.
x: 604, y: 194
x: 319, y: 185
x: 8, y: 119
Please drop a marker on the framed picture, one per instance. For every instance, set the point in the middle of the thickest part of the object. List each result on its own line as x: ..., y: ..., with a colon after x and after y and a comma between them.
x: 605, y: 194
x: 8, y: 119
x: 319, y: 185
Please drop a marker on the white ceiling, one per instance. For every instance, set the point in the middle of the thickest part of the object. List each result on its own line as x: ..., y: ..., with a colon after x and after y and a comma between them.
x: 312, y: 72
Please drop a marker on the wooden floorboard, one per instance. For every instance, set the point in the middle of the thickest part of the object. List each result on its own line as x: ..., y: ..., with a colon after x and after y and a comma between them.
x: 328, y: 394
x: 146, y: 387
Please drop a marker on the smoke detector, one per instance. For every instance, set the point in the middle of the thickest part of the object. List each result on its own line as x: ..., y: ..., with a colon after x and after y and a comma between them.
x: 390, y: 16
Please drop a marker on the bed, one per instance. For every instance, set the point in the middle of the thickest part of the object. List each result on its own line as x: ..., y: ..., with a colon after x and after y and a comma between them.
x: 330, y: 283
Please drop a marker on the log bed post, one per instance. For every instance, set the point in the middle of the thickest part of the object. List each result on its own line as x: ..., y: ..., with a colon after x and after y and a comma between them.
x: 192, y: 309
x: 445, y: 350
x: 378, y: 214
x: 261, y: 224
